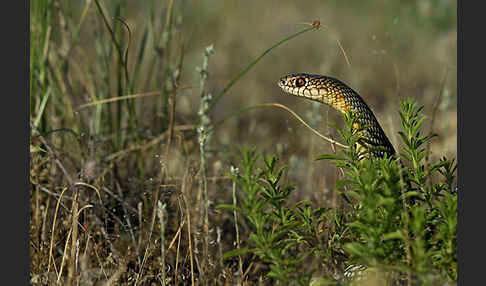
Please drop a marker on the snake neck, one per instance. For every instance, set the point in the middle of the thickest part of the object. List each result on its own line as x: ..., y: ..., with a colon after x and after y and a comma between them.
x: 338, y: 95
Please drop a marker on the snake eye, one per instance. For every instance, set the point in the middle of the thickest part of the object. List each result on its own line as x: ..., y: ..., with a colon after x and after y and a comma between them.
x: 299, y: 82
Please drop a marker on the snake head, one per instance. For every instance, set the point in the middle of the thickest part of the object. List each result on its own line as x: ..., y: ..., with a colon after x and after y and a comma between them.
x: 305, y: 85
x: 292, y: 81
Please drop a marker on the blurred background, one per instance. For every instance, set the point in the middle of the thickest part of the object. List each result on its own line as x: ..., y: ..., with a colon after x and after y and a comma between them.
x: 396, y: 49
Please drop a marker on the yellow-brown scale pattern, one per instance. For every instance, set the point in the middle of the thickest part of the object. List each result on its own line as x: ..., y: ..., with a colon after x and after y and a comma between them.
x: 341, y: 97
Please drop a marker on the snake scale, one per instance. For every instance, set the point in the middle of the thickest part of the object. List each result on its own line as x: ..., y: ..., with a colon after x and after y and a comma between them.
x: 335, y: 93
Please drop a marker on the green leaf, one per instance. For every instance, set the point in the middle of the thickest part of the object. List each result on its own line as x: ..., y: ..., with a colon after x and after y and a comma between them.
x: 344, y: 182
x: 354, y: 248
x: 330, y: 157
x: 343, y: 195
x: 237, y: 252
x: 303, y: 203
x: 394, y: 235
x: 411, y: 194
x: 228, y: 207
x: 418, y: 124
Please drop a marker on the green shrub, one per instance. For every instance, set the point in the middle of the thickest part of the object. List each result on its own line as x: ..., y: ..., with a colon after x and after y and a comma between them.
x: 400, y: 215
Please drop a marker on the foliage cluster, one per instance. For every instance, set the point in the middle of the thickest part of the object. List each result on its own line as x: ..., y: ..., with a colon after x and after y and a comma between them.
x: 401, y: 220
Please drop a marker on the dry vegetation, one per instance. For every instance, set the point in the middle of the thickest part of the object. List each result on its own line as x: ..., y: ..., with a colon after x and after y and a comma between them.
x: 131, y: 149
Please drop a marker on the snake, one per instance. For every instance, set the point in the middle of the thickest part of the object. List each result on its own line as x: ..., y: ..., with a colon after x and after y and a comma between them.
x: 340, y: 96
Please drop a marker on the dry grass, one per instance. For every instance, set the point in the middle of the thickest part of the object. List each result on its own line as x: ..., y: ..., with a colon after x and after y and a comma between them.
x: 114, y: 117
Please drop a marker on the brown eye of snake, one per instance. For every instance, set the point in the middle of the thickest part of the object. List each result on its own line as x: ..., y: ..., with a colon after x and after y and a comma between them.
x: 299, y: 82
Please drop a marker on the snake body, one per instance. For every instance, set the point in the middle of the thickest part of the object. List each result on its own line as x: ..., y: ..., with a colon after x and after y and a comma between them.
x: 335, y: 93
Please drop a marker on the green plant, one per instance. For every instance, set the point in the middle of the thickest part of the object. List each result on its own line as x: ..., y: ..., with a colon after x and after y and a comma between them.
x: 396, y: 222
x: 401, y: 219
x: 284, y: 236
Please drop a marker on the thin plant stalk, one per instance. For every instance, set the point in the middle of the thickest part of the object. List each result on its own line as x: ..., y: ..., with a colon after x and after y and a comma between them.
x: 186, y: 183
x: 161, y: 213
x: 254, y: 62
x: 234, y: 172
x: 204, y: 133
x: 74, y: 237
x: 166, y: 41
x: 172, y: 103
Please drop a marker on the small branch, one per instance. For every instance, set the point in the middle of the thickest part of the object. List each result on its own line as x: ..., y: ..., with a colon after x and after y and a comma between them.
x: 291, y: 112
